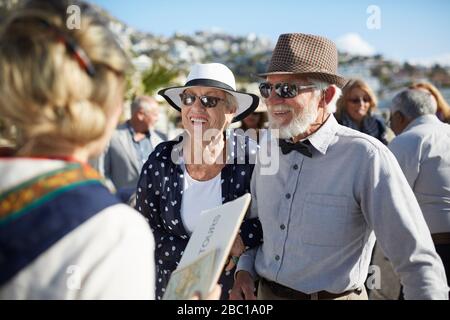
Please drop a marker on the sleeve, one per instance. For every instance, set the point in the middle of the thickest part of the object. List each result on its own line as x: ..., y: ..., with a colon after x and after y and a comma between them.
x: 253, y: 212
x: 247, y: 263
x: 247, y: 259
x: 169, y: 248
x: 148, y: 200
x: 407, y: 155
x: 391, y: 210
x: 251, y: 233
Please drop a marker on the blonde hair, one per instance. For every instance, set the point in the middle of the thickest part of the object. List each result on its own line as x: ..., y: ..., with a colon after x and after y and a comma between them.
x: 341, y: 104
x: 442, y: 105
x: 45, y: 91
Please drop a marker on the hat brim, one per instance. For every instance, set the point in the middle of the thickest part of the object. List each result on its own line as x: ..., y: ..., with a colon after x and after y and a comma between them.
x: 246, y: 102
x: 323, y: 76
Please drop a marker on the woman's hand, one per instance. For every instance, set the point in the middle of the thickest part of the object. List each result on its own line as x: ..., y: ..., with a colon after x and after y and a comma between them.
x: 236, y: 250
x: 213, y: 295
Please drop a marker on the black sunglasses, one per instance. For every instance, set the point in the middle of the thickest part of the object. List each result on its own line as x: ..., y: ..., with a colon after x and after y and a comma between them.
x: 283, y: 90
x: 357, y: 100
x: 207, y: 101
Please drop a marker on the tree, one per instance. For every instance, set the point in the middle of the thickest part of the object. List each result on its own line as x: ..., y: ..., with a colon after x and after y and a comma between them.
x: 156, y: 77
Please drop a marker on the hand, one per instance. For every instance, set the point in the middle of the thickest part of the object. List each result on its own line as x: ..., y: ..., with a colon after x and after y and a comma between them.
x: 213, y: 295
x: 236, y: 250
x: 244, y: 287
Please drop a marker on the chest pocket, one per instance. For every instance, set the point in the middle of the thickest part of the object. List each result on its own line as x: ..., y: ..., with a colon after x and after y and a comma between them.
x: 328, y: 221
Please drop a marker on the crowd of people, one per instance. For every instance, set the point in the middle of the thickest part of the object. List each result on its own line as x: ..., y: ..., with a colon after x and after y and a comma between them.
x: 90, y: 209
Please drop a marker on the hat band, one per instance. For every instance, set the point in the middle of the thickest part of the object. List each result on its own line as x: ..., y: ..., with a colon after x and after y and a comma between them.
x: 208, y: 83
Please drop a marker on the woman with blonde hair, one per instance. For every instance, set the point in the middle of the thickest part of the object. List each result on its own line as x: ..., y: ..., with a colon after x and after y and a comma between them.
x: 355, y: 110
x: 443, y: 109
x: 63, y: 235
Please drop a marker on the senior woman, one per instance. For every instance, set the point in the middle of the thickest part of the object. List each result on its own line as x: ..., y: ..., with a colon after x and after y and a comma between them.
x: 201, y: 169
x: 355, y: 110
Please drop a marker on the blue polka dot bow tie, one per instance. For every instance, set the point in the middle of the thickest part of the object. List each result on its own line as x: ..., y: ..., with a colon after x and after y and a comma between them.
x: 302, y: 147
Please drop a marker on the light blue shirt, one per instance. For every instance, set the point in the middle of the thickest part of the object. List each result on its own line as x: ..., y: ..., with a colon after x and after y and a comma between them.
x: 423, y: 151
x: 320, y: 216
x: 143, y: 147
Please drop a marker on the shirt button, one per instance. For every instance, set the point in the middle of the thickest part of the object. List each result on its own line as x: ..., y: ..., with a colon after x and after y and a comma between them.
x: 295, y: 167
x: 282, y: 227
x: 288, y: 195
x: 277, y: 257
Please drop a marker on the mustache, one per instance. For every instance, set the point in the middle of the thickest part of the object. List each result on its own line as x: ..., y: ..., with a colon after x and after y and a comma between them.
x: 281, y: 108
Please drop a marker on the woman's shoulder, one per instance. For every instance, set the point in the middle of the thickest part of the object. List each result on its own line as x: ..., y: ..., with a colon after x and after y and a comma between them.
x: 105, y: 246
x: 163, y: 151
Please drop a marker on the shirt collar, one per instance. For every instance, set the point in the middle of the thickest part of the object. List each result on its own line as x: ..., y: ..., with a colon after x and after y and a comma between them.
x: 425, y: 119
x: 133, y: 132
x: 322, y: 138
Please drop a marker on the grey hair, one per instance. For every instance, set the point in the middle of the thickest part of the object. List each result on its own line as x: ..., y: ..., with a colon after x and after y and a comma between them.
x: 322, y: 86
x: 144, y: 102
x: 413, y: 103
x: 231, y: 100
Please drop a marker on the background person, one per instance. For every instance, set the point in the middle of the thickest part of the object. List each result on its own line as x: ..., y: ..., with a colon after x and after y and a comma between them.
x: 132, y: 143
x: 422, y: 148
x: 355, y: 109
x: 254, y: 122
x: 443, y: 109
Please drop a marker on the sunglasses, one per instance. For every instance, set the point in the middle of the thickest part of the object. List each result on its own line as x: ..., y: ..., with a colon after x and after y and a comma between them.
x: 357, y: 100
x: 207, y: 101
x: 283, y: 90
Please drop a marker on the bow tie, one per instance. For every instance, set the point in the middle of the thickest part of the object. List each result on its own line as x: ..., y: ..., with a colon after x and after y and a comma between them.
x: 302, y: 147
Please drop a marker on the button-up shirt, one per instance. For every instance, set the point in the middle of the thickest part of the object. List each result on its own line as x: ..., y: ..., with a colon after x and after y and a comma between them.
x: 423, y: 151
x: 143, y: 147
x: 320, y: 216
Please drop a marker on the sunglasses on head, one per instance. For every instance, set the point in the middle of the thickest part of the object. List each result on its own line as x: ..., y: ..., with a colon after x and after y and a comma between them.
x: 283, y: 90
x: 207, y: 101
x: 357, y: 100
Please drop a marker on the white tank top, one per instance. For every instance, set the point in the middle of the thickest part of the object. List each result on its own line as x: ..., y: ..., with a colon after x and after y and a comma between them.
x: 199, y: 196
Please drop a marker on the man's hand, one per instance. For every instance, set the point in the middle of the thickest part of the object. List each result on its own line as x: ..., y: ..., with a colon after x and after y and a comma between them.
x: 236, y: 251
x: 244, y: 287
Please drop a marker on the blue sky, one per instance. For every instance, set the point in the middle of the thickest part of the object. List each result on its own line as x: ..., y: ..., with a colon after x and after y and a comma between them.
x: 410, y: 29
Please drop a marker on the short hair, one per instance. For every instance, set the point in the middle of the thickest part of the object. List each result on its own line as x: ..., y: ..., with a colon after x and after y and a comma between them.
x: 143, y: 102
x: 51, y: 97
x: 413, y: 103
x: 322, y: 86
x: 442, y: 105
x: 341, y: 104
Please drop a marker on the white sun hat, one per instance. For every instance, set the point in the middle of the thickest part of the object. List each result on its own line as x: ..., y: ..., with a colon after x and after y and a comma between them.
x: 217, y: 76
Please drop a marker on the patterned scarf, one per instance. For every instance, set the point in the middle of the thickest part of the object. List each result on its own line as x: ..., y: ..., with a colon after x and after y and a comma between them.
x: 370, y: 125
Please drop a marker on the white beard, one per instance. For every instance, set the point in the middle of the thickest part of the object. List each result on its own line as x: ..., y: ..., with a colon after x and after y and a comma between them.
x: 299, y: 124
